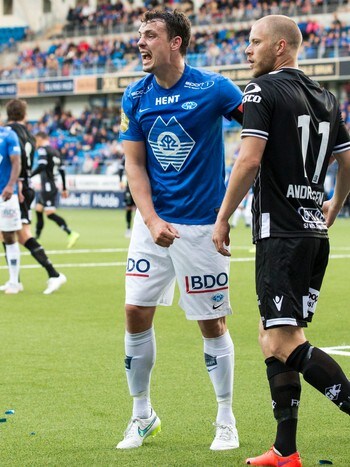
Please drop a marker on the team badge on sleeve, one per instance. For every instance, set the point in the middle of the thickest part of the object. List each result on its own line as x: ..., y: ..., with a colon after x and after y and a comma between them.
x: 124, y: 124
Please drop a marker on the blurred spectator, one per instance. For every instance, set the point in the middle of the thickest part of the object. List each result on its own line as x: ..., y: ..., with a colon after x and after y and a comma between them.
x: 208, y: 48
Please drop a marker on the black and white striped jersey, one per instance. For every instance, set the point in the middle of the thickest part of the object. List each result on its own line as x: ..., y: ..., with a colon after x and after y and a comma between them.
x: 27, y: 144
x: 303, y: 127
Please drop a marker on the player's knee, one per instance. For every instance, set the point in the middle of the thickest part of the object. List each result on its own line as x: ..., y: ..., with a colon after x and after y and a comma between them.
x: 277, y: 350
x: 138, y: 318
x: 212, y: 328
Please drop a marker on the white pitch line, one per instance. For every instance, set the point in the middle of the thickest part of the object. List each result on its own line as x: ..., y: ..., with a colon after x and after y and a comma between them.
x: 343, y: 350
x: 123, y: 263
x: 124, y: 250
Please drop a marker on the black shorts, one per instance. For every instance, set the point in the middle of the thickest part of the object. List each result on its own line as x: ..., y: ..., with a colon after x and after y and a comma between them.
x: 29, y: 195
x: 48, y: 199
x: 289, y: 274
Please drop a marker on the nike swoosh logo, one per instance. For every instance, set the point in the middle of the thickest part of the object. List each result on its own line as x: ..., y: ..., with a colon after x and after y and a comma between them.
x: 215, y: 307
x: 280, y: 463
x: 144, y: 432
x: 144, y: 110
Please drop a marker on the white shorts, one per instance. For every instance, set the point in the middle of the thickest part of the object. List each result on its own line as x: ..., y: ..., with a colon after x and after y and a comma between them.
x: 10, y: 215
x: 201, y: 272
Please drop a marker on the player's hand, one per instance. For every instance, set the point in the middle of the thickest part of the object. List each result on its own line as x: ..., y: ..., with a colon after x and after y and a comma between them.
x: 163, y: 233
x: 64, y: 194
x: 7, y: 192
x: 221, y: 237
x: 330, y: 212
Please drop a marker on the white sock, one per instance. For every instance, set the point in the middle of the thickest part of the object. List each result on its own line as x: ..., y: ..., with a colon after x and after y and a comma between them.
x: 219, y: 359
x: 13, y: 259
x: 140, y: 350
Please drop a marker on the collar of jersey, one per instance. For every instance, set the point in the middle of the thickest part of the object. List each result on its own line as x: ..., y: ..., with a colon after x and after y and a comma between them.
x: 178, y: 83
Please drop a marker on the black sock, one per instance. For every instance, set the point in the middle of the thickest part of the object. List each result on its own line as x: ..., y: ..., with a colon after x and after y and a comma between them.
x: 285, y: 393
x: 38, y: 252
x: 60, y: 222
x: 323, y: 373
x: 39, y: 223
x: 128, y: 219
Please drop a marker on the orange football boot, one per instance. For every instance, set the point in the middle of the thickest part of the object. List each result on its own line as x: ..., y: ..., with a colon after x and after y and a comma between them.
x: 271, y: 459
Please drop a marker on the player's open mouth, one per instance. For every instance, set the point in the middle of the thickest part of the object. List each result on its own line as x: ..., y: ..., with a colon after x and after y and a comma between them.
x: 146, y: 57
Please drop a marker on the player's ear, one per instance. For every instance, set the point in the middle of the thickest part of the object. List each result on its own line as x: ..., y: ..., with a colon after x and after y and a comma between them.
x: 175, y: 43
x: 281, y: 46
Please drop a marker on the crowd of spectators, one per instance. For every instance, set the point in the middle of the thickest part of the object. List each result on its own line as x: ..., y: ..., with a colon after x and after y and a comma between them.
x: 120, y: 16
x: 88, y: 143
x: 224, y: 46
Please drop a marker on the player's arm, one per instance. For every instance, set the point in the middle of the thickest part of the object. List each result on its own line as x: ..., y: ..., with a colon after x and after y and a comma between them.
x: 236, y: 114
x: 42, y: 162
x: 40, y: 168
x: 62, y: 173
x: 15, y: 171
x: 162, y: 232
x: 332, y: 207
x: 242, y: 177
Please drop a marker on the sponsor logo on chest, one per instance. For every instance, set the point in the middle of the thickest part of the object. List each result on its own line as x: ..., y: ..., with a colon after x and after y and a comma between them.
x: 164, y: 100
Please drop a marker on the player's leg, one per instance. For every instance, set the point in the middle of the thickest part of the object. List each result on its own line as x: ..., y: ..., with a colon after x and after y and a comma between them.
x: 39, y: 211
x: 236, y: 216
x: 318, y: 368
x: 205, y: 298
x: 283, y: 309
x: 51, y: 203
x: 56, y: 279
x: 219, y: 361
x: 149, y: 282
x: 128, y: 219
x: 10, y: 223
x: 273, y: 286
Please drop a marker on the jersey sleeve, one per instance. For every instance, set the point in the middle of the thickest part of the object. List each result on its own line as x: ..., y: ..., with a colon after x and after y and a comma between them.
x: 343, y: 139
x: 14, y: 148
x: 129, y: 127
x: 231, y: 97
x: 257, y: 110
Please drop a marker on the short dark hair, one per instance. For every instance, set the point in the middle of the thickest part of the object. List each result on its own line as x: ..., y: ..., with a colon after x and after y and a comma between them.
x: 177, y: 24
x: 16, y: 110
x: 42, y: 134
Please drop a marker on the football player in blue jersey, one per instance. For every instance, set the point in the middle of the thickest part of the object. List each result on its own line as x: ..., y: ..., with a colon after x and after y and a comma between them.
x: 16, y: 112
x: 10, y: 215
x: 292, y: 128
x: 172, y: 135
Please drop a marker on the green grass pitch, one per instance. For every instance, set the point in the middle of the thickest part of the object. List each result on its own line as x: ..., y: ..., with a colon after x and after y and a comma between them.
x: 62, y: 356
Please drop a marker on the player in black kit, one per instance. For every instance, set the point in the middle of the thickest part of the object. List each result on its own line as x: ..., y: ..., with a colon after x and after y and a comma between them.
x: 49, y: 165
x: 16, y: 114
x: 291, y: 130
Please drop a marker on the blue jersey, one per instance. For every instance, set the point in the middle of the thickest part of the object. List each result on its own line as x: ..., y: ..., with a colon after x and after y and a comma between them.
x: 9, y: 146
x: 182, y: 130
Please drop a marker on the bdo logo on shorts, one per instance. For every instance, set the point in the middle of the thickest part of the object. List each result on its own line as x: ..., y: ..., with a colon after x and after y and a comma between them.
x: 138, y: 267
x: 206, y: 283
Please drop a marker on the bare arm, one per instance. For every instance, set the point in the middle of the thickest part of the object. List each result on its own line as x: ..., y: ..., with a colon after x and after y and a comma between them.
x: 332, y: 207
x: 163, y: 233
x: 242, y: 178
x: 15, y: 171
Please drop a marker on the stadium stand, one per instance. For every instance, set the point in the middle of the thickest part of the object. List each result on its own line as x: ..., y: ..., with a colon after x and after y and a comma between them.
x: 225, y: 46
x: 98, y: 41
